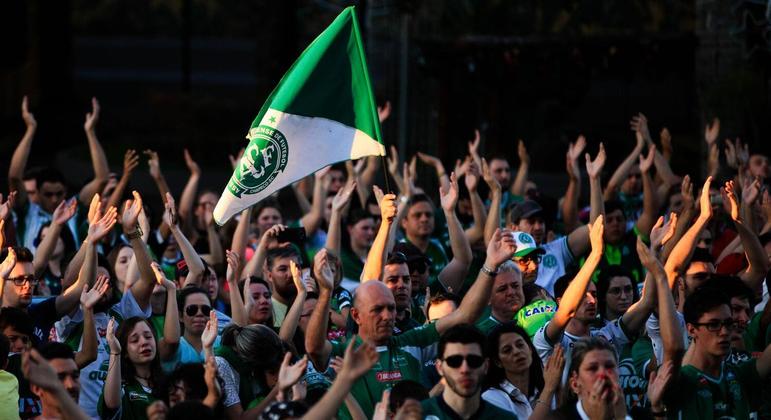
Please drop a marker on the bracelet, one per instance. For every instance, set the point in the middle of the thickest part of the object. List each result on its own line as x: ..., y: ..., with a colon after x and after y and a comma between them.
x: 488, y: 271
x: 135, y: 234
x: 540, y: 402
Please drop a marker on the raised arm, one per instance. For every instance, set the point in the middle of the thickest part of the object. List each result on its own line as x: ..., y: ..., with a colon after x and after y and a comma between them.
x: 237, y: 307
x: 64, y: 212
x: 98, y: 158
x: 634, y: 318
x: 167, y: 346
x: 499, y: 250
x: 377, y: 255
x: 21, y: 154
x: 518, y: 186
x: 434, y: 162
x: 640, y: 124
x: 577, y: 288
x: 6, y: 267
x: 316, y: 344
x: 268, y: 241
x: 339, y: 207
x: 453, y: 274
x: 356, y: 363
x: 40, y: 374
x: 476, y: 233
x: 393, y: 169
x: 68, y: 300
x: 754, y: 275
x: 114, y: 378
x: 312, y: 220
x: 143, y: 288
x: 240, y: 237
x: 573, y: 191
x: 494, y: 212
x: 154, y: 164
x: 289, y: 326
x: 130, y: 162
x: 187, y: 199
x: 89, y: 299
x: 650, y: 206
x: 623, y: 170
x: 682, y: 252
x: 683, y: 219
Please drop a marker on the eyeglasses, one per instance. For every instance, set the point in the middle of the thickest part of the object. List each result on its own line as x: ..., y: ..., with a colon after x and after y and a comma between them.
x: 627, y: 290
x: 51, y: 194
x: 715, y: 326
x: 21, y: 280
x: 536, y: 258
x: 472, y: 360
x: 192, y: 310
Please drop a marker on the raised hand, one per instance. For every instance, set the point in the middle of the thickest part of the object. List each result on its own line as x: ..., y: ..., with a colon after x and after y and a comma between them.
x: 153, y: 163
x: 388, y: 208
x: 209, y: 334
x: 89, y: 298
x: 130, y: 161
x: 384, y: 112
x: 288, y: 375
x: 103, y: 226
x: 647, y: 162
x: 704, y: 203
x: 237, y: 158
x: 662, y: 232
x: 191, y: 164
x: 524, y: 157
x: 39, y: 372
x: 7, y: 206
x: 322, y: 272
x: 730, y: 194
x: 596, y: 231
x: 449, y: 197
x: 7, y: 265
x: 666, y: 141
x: 473, y: 145
x: 639, y: 124
x: 94, y: 209
x: 234, y: 267
x: 658, y: 383
x: 161, y: 279
x: 28, y: 117
x: 92, y: 118
x: 472, y: 177
x: 210, y: 375
x: 686, y: 190
x: 343, y: 197
x: 647, y: 258
x: 711, y: 132
x: 64, y: 211
x: 357, y: 362
x: 131, y: 211
x: 393, y: 161
x: 112, y: 340
x: 381, y: 408
x: 430, y: 160
x: 487, y: 175
x: 270, y: 237
x: 573, y: 153
x: 500, y: 248
x: 297, y: 278
x: 594, y: 167
x: 170, y: 211
x: 750, y: 190
x: 552, y: 372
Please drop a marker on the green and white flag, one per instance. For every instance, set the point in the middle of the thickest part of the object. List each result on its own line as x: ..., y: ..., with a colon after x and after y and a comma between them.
x: 322, y: 112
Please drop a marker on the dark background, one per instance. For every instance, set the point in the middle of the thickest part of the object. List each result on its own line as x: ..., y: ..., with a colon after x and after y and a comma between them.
x: 194, y: 73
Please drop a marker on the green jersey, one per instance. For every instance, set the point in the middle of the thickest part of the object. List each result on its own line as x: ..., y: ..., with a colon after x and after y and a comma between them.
x: 632, y: 364
x: 134, y: 401
x: 436, y: 408
x: 402, y: 358
x: 486, y: 325
x: 696, y: 395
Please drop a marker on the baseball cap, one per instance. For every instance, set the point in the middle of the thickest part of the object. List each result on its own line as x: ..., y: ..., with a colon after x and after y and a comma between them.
x: 525, y: 244
x: 535, y: 315
x: 415, y: 257
x: 524, y: 210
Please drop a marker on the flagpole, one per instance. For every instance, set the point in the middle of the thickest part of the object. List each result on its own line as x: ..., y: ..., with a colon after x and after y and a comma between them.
x: 384, y: 164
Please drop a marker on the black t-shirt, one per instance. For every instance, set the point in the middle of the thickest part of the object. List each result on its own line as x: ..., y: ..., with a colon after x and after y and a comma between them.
x: 43, y: 316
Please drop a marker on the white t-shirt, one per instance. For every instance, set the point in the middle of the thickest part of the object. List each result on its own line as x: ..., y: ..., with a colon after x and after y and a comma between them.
x: 612, y: 332
x: 505, y: 397
x: 93, y: 375
x: 553, y: 263
x: 653, y: 328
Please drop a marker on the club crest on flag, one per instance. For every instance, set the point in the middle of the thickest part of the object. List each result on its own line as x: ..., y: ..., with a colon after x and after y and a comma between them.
x: 264, y: 158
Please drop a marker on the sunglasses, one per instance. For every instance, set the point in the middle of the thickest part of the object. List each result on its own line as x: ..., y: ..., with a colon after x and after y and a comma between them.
x: 536, y: 258
x: 715, y: 326
x: 21, y: 280
x: 192, y: 310
x: 472, y: 360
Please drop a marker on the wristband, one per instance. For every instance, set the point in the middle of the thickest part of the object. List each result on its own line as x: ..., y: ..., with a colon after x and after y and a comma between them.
x: 135, y: 234
x: 488, y: 271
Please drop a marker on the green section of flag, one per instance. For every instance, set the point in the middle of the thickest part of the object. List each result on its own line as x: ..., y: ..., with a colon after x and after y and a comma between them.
x: 330, y: 80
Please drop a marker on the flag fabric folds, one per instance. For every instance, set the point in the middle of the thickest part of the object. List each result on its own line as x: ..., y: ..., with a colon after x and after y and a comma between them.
x: 323, y: 111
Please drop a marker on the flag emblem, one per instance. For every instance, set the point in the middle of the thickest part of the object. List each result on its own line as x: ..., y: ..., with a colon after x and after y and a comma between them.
x: 263, y: 160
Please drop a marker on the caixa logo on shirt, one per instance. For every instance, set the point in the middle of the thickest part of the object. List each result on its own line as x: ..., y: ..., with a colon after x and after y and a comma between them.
x: 388, y: 376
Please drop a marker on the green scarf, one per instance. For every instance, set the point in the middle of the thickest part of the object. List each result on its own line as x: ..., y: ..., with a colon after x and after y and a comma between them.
x: 245, y: 389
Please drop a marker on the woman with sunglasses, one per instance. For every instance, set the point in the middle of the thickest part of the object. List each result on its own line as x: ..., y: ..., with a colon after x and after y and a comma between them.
x: 516, y: 380
x: 135, y: 359
x: 196, y: 313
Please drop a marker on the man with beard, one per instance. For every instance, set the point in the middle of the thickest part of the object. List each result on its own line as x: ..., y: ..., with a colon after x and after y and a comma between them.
x: 462, y: 362
x: 279, y: 276
x: 62, y: 360
x: 374, y: 311
x: 507, y: 297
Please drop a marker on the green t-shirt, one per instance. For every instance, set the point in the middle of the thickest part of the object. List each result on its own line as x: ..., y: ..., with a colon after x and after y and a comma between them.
x: 133, y: 403
x: 696, y: 395
x: 436, y: 408
x: 402, y: 358
x: 631, y: 372
x: 487, y: 324
x: 352, y: 264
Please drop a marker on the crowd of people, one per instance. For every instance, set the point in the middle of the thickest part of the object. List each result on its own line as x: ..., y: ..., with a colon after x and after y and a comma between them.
x: 485, y: 299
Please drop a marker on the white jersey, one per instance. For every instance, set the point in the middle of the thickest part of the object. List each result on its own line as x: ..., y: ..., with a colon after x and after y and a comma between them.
x: 553, y: 263
x: 93, y: 375
x: 653, y: 329
x: 612, y: 331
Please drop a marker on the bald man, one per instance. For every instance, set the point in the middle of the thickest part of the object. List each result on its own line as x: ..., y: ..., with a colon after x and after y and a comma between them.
x: 374, y: 311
